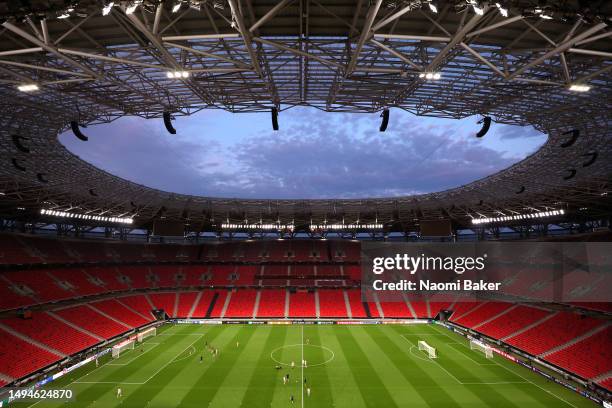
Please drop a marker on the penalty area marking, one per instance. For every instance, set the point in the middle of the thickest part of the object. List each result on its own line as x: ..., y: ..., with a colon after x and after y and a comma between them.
x: 148, y: 379
x: 134, y: 358
x: 302, y: 345
x: 187, y: 356
x: 430, y: 360
x: 463, y: 346
x: 419, y: 356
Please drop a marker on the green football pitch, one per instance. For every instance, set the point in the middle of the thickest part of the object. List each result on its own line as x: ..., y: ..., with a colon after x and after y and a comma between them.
x: 347, y: 366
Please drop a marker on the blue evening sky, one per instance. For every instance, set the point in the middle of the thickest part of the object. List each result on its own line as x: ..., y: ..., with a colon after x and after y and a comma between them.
x: 314, y: 155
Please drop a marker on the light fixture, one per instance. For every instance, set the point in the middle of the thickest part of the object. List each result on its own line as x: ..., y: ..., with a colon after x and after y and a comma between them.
x: 433, y: 7
x: 131, y: 8
x: 579, y: 88
x: 63, y: 16
x: 503, y: 11
x: 107, y: 9
x: 430, y: 75
x: 177, y: 74
x: 337, y: 227
x: 28, y: 87
x: 543, y: 13
x: 176, y: 7
x: 257, y: 226
x: 477, y: 9
x: 517, y: 217
x: 64, y: 214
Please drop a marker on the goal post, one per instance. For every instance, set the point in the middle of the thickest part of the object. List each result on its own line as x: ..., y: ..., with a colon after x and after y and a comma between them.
x: 482, y: 347
x: 123, y: 346
x: 151, y: 332
x: 431, y: 351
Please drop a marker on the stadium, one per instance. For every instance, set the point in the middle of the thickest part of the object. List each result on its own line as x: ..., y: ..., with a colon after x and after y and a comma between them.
x: 493, y: 290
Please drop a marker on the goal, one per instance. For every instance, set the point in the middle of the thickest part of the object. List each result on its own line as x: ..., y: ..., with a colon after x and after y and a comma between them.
x: 147, y: 333
x: 121, y: 347
x: 480, y: 346
x: 429, y: 349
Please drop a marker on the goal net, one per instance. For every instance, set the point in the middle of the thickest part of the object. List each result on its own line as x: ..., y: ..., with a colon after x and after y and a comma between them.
x: 146, y: 334
x: 480, y: 346
x: 123, y: 346
x: 427, y: 348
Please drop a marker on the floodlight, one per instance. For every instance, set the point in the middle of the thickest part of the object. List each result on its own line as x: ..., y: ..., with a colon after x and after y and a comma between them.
x: 28, y: 87
x: 579, y: 88
x: 107, y: 9
x: 503, y: 11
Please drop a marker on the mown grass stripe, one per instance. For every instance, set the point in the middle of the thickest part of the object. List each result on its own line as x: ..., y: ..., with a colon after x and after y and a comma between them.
x: 425, y: 385
x: 344, y: 387
x: 487, y: 394
x: 208, y: 384
x: 156, y: 385
x: 261, y: 386
x: 170, y: 387
x: 507, y: 374
x: 137, y: 372
x: 316, y: 376
x: 370, y: 386
x: 236, y: 383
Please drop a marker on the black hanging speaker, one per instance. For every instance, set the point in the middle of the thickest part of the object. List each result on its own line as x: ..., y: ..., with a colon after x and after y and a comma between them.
x: 570, y: 174
x: 17, y: 165
x: 20, y: 146
x: 77, y: 132
x: 521, y: 190
x: 168, y: 123
x: 92, y: 192
x: 575, y: 134
x: 385, y: 120
x: 274, y: 118
x: 485, y: 126
x: 593, y: 156
x: 41, y: 178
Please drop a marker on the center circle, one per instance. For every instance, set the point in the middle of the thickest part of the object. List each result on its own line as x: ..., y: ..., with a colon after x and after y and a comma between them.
x: 294, y: 352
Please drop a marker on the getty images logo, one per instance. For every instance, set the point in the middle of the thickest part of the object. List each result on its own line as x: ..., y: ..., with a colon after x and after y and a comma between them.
x: 414, y: 264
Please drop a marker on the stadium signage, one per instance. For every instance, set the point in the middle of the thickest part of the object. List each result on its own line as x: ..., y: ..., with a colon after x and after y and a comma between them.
x: 413, y: 264
x: 532, y: 368
x: 427, y: 285
x: 464, y: 271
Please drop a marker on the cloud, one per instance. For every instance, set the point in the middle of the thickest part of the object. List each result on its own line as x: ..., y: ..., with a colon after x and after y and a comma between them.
x: 516, y: 132
x: 314, y: 155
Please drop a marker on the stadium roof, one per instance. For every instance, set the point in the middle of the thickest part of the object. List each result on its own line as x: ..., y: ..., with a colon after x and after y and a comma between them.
x: 357, y: 56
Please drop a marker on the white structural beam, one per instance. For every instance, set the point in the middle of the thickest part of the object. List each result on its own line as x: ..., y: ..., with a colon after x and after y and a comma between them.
x: 457, y: 38
x: 111, y: 59
x: 482, y: 59
x: 298, y: 52
x: 558, y: 49
x: 591, y: 52
x: 502, y: 23
x: 392, y: 17
x: 397, y: 54
x: 246, y: 36
x: 411, y: 37
x: 266, y: 17
x: 199, y: 37
x: 366, y: 33
x: 52, y: 50
x: 207, y: 54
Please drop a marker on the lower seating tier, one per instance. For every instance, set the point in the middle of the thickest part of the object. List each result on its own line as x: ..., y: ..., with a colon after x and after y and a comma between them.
x: 19, y: 358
